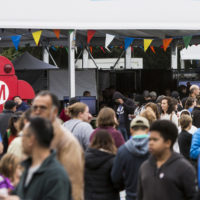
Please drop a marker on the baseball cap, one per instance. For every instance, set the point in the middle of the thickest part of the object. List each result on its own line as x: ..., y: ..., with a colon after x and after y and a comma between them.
x: 139, y: 121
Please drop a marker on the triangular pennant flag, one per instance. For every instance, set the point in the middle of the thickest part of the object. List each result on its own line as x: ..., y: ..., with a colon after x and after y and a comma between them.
x: 70, y: 31
x: 166, y: 43
x: 109, y: 39
x: 66, y: 49
x: 187, y: 40
x: 91, y: 49
x: 54, y: 48
x: 102, y: 49
x: 36, y: 36
x: 57, y: 33
x: 90, y: 34
x: 152, y: 49
x: 128, y: 42
x: 131, y: 49
x: 147, y: 43
x: 16, y: 40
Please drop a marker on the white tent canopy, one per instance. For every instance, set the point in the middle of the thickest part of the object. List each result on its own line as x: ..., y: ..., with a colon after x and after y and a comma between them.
x: 101, y: 14
x: 191, y: 53
x: 157, y: 19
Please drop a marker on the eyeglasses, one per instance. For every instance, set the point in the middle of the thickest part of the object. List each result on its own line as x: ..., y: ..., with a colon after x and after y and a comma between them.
x: 40, y: 107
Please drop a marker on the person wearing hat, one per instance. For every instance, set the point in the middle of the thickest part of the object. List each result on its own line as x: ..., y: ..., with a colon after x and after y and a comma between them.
x: 130, y: 156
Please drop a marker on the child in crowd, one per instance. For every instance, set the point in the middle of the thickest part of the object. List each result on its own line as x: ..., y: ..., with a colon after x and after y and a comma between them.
x: 10, y: 172
x: 166, y: 174
x: 98, y: 164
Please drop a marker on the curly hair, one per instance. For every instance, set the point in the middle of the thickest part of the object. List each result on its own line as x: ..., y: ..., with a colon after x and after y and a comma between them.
x: 170, y: 104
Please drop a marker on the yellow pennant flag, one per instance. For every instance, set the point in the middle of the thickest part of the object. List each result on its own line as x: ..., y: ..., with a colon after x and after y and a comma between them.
x: 147, y: 43
x: 36, y: 36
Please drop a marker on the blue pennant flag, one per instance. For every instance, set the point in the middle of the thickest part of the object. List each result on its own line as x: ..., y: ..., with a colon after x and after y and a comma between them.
x: 16, y: 40
x: 128, y: 42
x: 53, y: 48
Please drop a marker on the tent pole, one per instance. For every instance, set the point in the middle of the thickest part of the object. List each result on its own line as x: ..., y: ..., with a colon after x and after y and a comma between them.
x: 54, y: 62
x: 91, y: 57
x: 71, y: 64
x: 127, y: 58
x: 174, y: 57
x: 118, y: 59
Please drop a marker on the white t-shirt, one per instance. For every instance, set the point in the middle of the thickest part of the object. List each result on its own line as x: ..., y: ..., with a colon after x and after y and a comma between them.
x: 172, y: 117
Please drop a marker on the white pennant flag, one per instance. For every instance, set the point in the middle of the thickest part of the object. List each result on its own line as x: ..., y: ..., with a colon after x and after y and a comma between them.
x: 109, y: 39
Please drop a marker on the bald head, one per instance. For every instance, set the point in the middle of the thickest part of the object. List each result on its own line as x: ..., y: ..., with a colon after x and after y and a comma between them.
x: 194, y: 90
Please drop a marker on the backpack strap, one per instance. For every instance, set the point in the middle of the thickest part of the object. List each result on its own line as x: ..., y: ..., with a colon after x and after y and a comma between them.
x: 75, y: 126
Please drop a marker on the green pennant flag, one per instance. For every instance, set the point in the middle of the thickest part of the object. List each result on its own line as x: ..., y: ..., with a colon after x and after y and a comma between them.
x: 187, y: 40
x: 70, y: 31
x: 66, y: 49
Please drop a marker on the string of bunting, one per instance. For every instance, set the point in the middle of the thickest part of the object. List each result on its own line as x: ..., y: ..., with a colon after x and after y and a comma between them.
x: 108, y: 40
x: 129, y: 40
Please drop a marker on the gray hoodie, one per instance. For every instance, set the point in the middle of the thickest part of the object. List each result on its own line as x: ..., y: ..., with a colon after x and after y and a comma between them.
x: 138, y: 146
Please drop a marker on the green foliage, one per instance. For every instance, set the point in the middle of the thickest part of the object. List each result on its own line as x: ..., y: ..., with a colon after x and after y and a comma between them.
x: 12, y: 53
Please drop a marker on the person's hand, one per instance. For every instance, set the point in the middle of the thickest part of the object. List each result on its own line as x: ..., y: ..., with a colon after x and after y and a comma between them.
x: 9, y: 197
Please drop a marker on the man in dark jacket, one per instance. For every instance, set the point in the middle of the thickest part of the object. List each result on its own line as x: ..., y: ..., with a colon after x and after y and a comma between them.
x: 166, y: 174
x: 196, y: 113
x: 130, y: 156
x: 21, y: 105
x: 123, y: 107
x: 9, y: 109
x: 43, y: 177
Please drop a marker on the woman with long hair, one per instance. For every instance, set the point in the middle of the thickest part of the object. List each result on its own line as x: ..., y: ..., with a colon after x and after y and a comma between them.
x: 98, y: 165
x: 153, y: 107
x: 107, y: 120
x: 167, y: 110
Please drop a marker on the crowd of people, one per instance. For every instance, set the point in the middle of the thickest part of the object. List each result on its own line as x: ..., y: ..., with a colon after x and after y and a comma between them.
x: 146, y: 147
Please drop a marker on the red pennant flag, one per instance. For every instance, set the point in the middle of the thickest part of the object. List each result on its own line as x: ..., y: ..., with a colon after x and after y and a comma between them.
x: 90, y: 34
x: 131, y: 49
x: 91, y: 49
x: 102, y: 49
x: 152, y: 49
x: 166, y: 43
x: 57, y: 33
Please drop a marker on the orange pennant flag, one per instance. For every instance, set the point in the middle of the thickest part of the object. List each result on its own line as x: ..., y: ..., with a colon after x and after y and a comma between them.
x: 91, y: 49
x: 166, y: 43
x: 152, y: 49
x: 57, y: 33
x: 36, y: 36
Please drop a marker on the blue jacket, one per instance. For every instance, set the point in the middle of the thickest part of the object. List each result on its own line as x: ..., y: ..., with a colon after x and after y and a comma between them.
x: 23, y: 106
x: 195, y: 145
x: 127, y: 163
